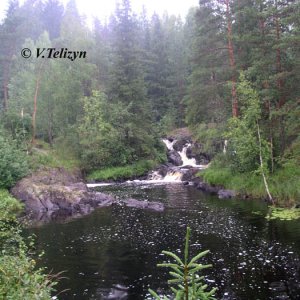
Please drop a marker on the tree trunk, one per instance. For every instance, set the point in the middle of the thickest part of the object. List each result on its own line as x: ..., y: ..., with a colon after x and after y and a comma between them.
x: 262, y: 165
x: 235, y: 111
x: 280, y: 82
x: 37, y: 86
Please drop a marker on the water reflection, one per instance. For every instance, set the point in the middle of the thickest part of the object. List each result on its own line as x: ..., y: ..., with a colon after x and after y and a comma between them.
x: 114, y: 251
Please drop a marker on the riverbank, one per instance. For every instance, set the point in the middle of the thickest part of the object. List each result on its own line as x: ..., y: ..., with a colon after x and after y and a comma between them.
x: 121, y: 173
x: 284, y: 184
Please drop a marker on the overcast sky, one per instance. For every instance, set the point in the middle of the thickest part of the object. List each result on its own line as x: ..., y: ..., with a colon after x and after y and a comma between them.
x: 103, y: 8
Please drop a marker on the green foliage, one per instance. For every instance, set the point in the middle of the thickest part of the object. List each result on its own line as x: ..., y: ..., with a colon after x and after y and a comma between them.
x: 242, y: 134
x: 109, y: 135
x: 283, y: 214
x: 60, y: 155
x: 210, y: 136
x: 101, y: 133
x: 19, y: 279
x: 8, y: 205
x: 283, y: 183
x: 19, y: 127
x: 125, y: 172
x: 188, y: 284
x: 13, y: 162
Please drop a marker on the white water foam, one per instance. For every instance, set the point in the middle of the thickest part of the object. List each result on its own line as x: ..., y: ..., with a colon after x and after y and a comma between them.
x: 92, y: 185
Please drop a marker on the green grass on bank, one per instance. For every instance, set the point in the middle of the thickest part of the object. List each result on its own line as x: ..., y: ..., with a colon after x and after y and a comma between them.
x: 124, y: 172
x: 9, y: 206
x: 59, y: 156
x: 284, y: 184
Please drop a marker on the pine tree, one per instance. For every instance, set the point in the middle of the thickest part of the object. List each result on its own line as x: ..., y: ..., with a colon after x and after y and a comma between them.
x: 127, y: 86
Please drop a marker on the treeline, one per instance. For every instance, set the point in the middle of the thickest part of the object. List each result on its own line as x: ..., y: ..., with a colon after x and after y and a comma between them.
x: 244, y: 88
x: 112, y: 106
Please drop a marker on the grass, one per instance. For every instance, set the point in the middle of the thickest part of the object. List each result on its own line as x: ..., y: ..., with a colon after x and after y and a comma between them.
x: 284, y: 184
x: 9, y: 206
x: 124, y: 172
x: 58, y: 156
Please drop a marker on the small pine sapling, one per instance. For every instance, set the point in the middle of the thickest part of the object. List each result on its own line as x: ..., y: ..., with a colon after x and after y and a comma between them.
x: 188, y: 284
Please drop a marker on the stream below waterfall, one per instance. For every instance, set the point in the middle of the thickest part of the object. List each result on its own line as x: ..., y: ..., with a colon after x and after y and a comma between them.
x: 112, y: 253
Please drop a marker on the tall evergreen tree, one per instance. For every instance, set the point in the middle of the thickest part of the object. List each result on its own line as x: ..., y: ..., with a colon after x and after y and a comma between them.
x: 127, y: 86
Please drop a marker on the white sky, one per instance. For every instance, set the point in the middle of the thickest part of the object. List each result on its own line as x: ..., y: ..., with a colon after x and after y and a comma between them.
x: 103, y: 8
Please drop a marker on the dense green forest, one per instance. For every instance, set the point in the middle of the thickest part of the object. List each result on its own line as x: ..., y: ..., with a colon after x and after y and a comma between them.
x: 229, y: 71
x: 100, y: 98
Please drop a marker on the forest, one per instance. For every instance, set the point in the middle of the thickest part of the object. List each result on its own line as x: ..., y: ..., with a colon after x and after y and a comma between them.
x: 100, y: 97
x: 231, y: 67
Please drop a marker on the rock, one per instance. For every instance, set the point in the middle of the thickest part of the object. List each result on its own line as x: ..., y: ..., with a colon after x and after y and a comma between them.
x: 143, y: 204
x: 163, y: 169
x: 196, y: 151
x: 178, y: 146
x: 47, y: 199
x: 57, y: 195
x: 174, y: 158
x: 226, y: 194
x: 189, y: 174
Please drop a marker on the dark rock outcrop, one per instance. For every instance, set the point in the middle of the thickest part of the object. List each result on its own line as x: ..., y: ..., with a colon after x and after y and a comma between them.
x: 156, y: 206
x: 196, y: 151
x: 213, y: 189
x: 226, y: 194
x: 55, y: 194
x: 174, y: 158
x: 178, y: 146
x: 189, y: 174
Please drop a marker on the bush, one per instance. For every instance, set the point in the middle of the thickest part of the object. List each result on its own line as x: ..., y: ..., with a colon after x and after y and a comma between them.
x: 13, y: 162
x: 18, y: 277
x: 125, y: 172
x: 283, y: 184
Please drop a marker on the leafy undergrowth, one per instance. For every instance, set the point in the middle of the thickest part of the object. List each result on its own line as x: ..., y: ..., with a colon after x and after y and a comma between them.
x: 58, y: 156
x: 284, y: 184
x: 19, y: 278
x: 124, y: 172
x: 9, y: 206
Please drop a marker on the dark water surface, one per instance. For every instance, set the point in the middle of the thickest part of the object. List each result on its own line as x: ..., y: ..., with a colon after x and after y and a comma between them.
x: 253, y: 258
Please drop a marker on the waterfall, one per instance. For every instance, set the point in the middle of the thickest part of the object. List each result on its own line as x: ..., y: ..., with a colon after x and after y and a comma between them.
x: 169, y: 144
x: 173, y: 176
x: 185, y: 160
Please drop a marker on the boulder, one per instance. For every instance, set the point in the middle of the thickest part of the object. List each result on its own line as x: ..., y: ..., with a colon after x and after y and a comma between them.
x: 174, y: 158
x: 189, y: 174
x: 163, y: 169
x: 178, y: 145
x: 226, y: 194
x: 57, y: 194
x: 143, y: 204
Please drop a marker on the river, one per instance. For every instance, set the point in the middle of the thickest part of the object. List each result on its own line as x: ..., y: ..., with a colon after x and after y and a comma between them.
x: 112, y: 253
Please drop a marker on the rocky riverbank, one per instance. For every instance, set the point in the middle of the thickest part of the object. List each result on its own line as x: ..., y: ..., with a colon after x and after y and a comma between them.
x: 52, y: 194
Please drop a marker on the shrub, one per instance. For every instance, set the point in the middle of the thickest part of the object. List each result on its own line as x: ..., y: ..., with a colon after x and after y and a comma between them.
x: 124, y: 172
x: 19, y: 279
x: 13, y: 162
